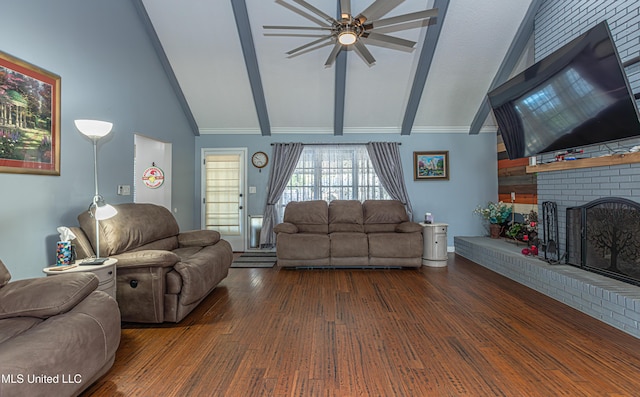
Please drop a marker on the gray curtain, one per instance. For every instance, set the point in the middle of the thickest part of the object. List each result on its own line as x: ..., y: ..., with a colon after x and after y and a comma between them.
x: 385, y: 157
x: 284, y: 159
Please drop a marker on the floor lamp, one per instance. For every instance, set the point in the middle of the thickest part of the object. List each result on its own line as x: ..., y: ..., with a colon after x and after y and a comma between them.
x: 99, y: 209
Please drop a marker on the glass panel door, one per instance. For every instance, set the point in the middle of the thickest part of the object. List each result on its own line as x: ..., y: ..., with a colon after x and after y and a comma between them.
x: 223, y: 195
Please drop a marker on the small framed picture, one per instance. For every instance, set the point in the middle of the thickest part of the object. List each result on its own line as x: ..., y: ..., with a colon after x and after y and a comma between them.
x: 430, y: 165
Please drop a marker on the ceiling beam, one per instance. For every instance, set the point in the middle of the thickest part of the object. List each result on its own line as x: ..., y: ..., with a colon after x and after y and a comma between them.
x: 340, y: 93
x: 517, y: 47
x: 424, y: 64
x: 340, y: 90
x: 166, y: 65
x: 251, y: 62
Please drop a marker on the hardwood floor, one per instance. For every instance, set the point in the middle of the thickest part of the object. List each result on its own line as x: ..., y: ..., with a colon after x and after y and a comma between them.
x: 456, y: 331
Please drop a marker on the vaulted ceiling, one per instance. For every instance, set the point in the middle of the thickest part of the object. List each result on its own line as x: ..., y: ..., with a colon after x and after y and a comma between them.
x: 235, y: 78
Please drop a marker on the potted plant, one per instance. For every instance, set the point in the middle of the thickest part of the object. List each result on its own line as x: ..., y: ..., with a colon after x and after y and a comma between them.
x: 497, y: 214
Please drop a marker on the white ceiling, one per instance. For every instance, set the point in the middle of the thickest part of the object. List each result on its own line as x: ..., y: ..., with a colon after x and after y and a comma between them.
x: 201, y: 42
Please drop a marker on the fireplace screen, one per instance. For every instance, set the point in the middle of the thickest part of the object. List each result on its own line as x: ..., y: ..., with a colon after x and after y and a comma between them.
x: 574, y: 236
x: 604, y: 236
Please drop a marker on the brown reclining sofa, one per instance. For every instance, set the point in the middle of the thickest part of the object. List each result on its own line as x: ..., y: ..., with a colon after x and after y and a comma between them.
x: 348, y: 233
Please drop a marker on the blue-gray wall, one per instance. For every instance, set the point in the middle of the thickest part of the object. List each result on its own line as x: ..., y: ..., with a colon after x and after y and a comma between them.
x: 473, y: 172
x: 109, y: 71
x: 557, y: 23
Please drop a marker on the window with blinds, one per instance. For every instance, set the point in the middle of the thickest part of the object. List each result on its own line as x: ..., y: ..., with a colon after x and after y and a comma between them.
x: 222, y: 193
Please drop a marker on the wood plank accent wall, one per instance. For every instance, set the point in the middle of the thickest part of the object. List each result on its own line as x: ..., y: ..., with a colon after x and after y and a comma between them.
x: 513, y: 177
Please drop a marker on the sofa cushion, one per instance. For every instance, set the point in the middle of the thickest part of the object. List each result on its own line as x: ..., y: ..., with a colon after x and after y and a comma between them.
x: 309, y: 216
x: 10, y: 327
x: 5, y: 276
x: 55, y: 295
x: 302, y: 246
x: 395, y: 245
x: 349, y: 244
x: 345, y: 216
x: 383, y: 215
x: 133, y: 226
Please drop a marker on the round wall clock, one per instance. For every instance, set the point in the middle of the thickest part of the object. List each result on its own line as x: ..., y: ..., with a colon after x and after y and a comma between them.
x: 259, y: 159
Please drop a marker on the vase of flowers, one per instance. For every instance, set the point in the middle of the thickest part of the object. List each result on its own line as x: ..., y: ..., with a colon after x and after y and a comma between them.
x: 497, y: 214
x: 526, y: 231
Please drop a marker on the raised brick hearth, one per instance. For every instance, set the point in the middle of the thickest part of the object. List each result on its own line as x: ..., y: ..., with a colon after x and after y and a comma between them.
x: 614, y: 302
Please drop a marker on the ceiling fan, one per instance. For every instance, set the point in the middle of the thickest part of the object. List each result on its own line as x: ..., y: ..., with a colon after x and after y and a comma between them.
x: 349, y: 31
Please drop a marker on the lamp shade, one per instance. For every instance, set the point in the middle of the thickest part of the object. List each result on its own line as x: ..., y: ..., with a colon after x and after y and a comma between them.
x: 94, y: 129
x: 105, y: 212
x: 102, y: 210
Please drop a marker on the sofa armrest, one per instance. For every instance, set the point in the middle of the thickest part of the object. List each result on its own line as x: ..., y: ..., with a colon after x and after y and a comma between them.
x: 45, y: 297
x: 82, y: 244
x: 146, y: 258
x: 198, y: 238
x: 408, y: 227
x: 285, y: 227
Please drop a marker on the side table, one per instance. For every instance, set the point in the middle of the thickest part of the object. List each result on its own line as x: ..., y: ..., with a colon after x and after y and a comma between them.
x: 105, y: 272
x: 435, y: 244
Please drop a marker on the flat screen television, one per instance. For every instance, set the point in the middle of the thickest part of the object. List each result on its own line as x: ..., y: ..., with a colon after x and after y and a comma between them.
x: 577, y: 96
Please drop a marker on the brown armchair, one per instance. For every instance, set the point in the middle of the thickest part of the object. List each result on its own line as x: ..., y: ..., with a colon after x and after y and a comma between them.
x: 162, y: 273
x: 56, y: 326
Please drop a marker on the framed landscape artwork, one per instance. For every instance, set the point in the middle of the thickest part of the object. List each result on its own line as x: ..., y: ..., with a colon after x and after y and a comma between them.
x: 430, y: 165
x: 29, y: 118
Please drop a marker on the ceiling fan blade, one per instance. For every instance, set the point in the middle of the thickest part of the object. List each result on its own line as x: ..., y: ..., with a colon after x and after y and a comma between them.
x: 296, y: 27
x: 310, y: 44
x: 333, y: 55
x: 316, y: 11
x: 417, y: 24
x: 311, y: 49
x: 403, y: 18
x: 345, y: 8
x: 378, y: 9
x: 391, y: 40
x: 293, y: 35
x: 301, y: 13
x: 361, y: 49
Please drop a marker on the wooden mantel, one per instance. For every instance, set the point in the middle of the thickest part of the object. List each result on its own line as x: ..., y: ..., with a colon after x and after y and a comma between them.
x: 614, y: 159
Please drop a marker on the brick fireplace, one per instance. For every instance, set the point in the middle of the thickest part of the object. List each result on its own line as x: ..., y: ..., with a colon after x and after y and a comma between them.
x: 577, y: 187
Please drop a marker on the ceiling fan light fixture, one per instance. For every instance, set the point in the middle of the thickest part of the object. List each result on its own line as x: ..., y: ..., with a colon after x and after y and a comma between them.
x: 347, y: 37
x: 347, y: 30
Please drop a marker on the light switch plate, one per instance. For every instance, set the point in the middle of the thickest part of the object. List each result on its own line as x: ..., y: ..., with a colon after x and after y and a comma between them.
x: 124, y: 190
